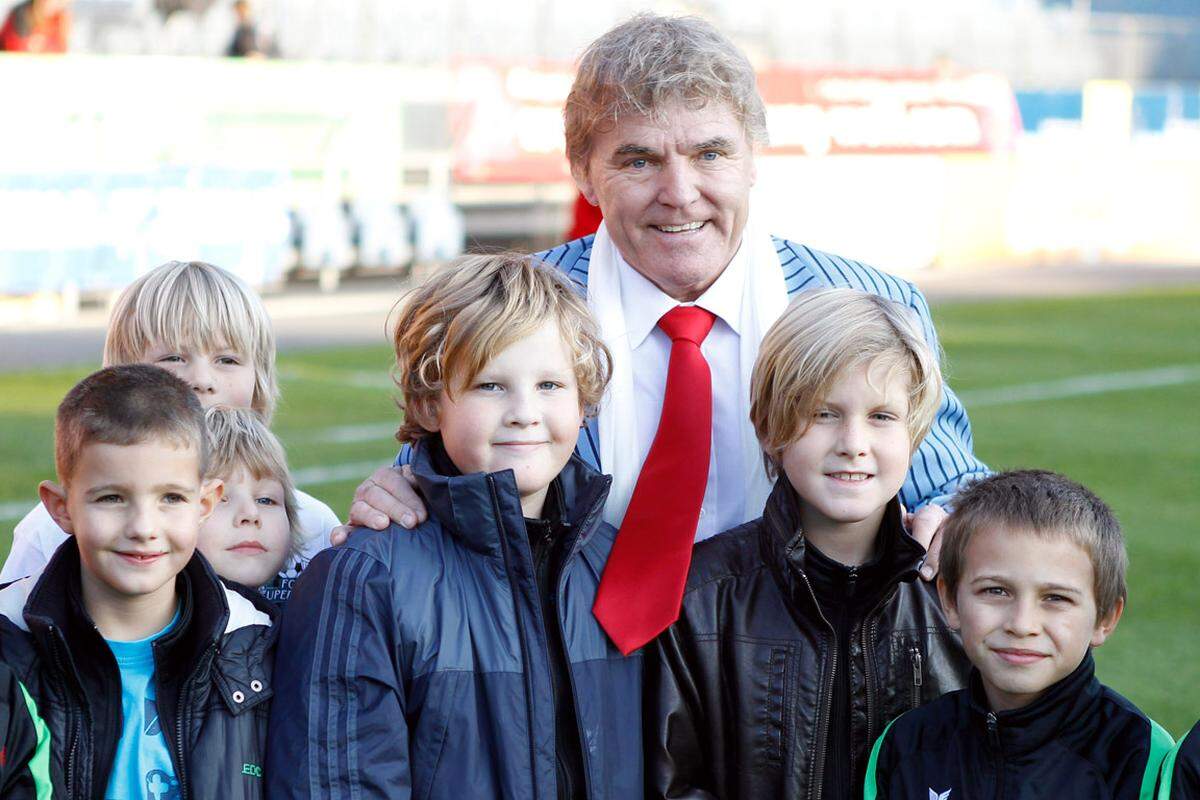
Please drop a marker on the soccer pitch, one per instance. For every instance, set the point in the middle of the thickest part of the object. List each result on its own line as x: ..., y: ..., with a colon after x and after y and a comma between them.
x: 1105, y: 389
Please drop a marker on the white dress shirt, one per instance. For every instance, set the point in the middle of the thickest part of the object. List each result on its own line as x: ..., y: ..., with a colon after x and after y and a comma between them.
x: 644, y: 304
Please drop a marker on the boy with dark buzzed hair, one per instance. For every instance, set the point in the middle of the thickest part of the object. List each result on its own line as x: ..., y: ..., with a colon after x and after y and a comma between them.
x: 151, y: 676
x: 1033, y: 575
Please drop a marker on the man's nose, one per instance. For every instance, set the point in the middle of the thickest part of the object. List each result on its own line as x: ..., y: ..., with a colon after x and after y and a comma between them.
x: 677, y: 185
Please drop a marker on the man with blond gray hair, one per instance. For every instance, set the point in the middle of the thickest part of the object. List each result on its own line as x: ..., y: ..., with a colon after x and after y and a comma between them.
x: 662, y: 125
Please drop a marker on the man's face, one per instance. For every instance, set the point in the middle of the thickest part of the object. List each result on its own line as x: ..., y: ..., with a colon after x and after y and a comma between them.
x: 1026, y: 607
x: 675, y: 196
x: 135, y: 511
x: 248, y: 537
x: 521, y: 412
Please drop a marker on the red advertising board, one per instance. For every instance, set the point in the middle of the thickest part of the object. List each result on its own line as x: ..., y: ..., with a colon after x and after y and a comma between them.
x: 510, y: 124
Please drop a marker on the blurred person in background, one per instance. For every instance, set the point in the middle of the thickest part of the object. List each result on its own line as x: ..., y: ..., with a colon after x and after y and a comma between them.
x: 37, y: 26
x: 246, y: 40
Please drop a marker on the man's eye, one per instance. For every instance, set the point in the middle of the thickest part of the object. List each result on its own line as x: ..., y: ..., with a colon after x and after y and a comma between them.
x: 710, y: 155
x: 638, y: 163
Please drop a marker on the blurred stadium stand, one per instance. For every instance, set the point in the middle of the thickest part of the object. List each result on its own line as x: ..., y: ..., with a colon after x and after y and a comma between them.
x: 1037, y: 44
x: 396, y: 131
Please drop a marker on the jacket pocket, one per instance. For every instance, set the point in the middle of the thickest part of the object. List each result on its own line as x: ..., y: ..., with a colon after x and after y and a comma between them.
x: 771, y: 724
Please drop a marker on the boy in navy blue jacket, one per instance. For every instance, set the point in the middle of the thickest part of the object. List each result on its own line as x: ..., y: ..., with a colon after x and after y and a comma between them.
x: 462, y: 659
x: 1180, y: 779
x: 1033, y: 575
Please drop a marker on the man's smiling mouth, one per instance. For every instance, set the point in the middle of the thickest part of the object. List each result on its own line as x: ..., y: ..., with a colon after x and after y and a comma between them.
x: 684, y: 228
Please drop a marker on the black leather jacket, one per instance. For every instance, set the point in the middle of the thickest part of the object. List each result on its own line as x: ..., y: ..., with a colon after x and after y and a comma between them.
x: 739, y: 690
x: 212, y: 675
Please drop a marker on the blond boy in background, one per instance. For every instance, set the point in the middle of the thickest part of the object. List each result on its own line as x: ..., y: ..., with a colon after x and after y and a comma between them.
x: 207, y: 327
x: 253, y: 530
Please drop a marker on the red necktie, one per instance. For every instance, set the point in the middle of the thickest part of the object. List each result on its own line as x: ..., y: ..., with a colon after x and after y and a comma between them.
x: 642, y: 585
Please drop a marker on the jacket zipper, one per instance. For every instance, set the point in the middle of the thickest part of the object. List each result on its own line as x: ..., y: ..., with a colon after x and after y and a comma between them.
x: 73, y: 727
x: 525, y: 659
x: 868, y: 636
x: 182, y: 723
x: 583, y: 527
x: 915, y: 654
x: 814, y: 788
x: 993, y: 726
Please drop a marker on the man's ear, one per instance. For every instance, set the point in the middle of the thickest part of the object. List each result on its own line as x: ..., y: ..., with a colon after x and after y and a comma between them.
x: 210, y: 495
x: 1106, y: 625
x: 948, y: 606
x: 54, y: 498
x: 584, y: 184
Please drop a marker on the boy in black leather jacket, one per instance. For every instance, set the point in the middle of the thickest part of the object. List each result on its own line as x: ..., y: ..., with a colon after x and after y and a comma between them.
x: 804, y: 632
x: 1033, y: 575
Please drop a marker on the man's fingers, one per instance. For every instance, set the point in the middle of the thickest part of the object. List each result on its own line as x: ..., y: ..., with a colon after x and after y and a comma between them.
x: 925, y: 527
x: 339, y: 535
x: 929, y: 569
x: 363, y: 514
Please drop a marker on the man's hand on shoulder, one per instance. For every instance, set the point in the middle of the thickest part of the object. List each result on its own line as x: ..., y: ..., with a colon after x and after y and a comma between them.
x: 388, y: 496
x: 925, y: 525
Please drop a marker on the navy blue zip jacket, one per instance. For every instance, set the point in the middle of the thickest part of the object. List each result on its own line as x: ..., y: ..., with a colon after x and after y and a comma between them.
x: 415, y: 663
x: 1180, y: 779
x: 1078, y: 741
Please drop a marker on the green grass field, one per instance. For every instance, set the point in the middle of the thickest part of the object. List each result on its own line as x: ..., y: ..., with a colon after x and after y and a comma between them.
x: 1139, y: 448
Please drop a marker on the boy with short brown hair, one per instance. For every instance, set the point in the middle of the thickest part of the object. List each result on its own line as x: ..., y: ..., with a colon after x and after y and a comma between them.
x: 151, y: 676
x: 1033, y: 575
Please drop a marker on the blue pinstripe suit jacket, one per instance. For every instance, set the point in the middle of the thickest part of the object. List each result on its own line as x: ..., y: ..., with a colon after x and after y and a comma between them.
x: 944, y: 460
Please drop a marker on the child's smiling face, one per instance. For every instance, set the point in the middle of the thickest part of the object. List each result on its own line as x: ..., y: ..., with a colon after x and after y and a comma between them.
x: 521, y: 412
x: 851, y: 460
x: 220, y: 375
x: 1026, y: 608
x: 135, y: 511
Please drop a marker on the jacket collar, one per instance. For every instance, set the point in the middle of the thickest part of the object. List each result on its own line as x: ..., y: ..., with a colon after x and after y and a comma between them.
x: 784, y: 543
x: 471, y: 507
x: 1071, y: 702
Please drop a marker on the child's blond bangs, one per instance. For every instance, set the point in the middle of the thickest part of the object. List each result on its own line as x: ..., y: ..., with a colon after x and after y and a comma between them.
x: 239, y: 439
x: 821, y: 336
x: 193, y: 304
x: 451, y: 326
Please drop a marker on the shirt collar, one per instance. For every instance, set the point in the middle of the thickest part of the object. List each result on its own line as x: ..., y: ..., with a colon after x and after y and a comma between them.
x: 644, y: 303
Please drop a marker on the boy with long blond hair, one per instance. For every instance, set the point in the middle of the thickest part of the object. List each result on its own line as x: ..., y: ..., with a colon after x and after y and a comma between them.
x: 207, y: 327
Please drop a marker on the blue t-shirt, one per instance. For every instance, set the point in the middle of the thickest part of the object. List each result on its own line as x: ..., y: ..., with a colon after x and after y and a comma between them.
x: 142, y: 768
